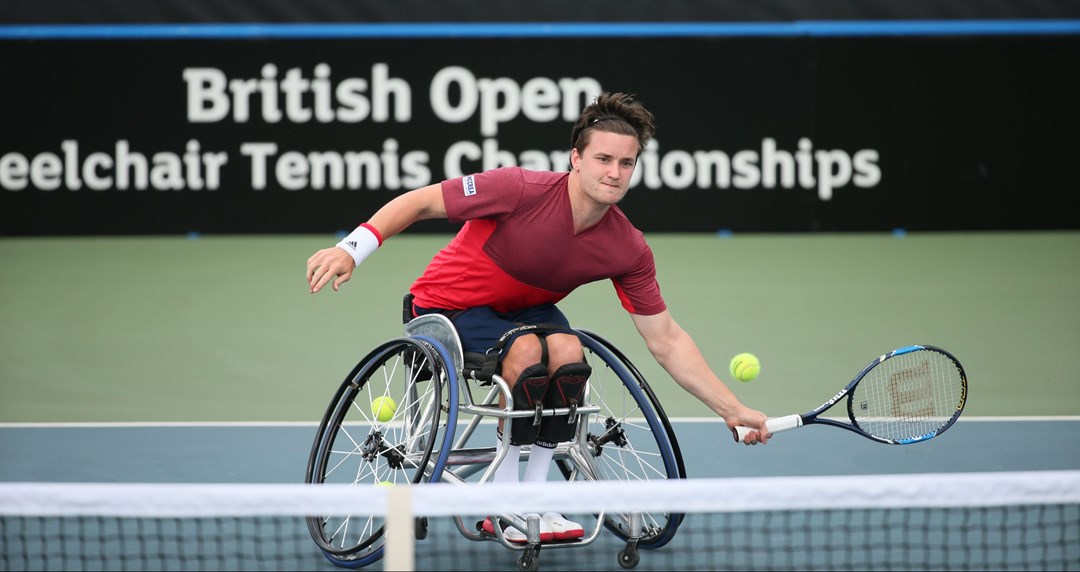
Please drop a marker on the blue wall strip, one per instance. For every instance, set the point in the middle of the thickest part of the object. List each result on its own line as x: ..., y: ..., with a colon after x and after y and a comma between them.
x: 542, y: 30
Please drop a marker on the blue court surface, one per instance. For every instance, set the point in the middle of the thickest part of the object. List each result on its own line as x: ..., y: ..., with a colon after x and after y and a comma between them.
x: 277, y: 453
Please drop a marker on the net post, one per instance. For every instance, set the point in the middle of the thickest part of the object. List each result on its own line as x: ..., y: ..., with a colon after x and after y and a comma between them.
x: 400, y: 532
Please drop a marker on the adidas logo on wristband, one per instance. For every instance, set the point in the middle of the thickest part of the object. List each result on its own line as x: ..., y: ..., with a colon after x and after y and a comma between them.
x: 359, y: 244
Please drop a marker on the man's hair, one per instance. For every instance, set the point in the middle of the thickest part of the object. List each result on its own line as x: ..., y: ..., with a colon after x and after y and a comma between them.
x: 614, y: 113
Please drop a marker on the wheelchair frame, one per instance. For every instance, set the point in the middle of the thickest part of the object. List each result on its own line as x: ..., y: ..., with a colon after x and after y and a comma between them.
x: 427, y: 440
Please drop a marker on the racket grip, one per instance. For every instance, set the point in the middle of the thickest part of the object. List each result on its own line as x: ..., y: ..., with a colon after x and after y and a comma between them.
x: 774, y: 425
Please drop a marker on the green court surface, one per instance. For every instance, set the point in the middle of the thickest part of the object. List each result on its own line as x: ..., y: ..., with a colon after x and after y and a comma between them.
x: 222, y: 328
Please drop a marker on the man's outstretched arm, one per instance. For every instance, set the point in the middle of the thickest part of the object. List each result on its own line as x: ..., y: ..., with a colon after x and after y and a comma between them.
x: 677, y: 353
x: 338, y: 262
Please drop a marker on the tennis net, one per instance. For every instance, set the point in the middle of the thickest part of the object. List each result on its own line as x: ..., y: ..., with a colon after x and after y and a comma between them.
x: 953, y: 521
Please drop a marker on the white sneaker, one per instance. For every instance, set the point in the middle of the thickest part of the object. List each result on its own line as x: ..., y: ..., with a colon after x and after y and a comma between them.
x: 547, y: 534
x: 561, y: 528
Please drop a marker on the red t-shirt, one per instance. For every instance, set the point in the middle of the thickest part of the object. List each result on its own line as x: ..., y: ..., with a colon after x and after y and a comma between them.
x: 518, y: 248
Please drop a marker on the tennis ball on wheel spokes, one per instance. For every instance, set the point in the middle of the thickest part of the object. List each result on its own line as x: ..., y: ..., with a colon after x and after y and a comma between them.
x: 745, y: 367
x: 383, y: 408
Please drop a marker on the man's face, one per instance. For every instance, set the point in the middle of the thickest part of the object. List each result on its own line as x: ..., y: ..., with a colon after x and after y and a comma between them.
x: 606, y: 165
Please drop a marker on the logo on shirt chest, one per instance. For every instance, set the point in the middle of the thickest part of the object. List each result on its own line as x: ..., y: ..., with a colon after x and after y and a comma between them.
x: 470, y: 186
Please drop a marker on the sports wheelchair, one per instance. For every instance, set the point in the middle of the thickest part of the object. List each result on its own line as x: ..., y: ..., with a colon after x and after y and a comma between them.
x: 442, y: 396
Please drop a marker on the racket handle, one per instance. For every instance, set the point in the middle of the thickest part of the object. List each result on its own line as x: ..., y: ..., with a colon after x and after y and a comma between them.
x: 774, y: 425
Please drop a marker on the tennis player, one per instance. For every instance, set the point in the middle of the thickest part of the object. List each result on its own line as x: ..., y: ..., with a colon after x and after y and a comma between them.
x: 529, y: 239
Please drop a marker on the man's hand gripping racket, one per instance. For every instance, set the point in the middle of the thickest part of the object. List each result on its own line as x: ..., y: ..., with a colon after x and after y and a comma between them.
x: 906, y: 396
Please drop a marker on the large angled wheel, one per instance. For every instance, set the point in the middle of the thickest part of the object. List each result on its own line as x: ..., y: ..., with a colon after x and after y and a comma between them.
x: 354, y: 447
x: 630, y: 439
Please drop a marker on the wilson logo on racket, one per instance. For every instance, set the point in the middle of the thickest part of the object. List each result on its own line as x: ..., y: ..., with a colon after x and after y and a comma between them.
x: 911, y: 392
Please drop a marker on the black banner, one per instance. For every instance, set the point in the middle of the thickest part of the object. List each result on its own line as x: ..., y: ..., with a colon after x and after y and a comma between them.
x: 754, y: 134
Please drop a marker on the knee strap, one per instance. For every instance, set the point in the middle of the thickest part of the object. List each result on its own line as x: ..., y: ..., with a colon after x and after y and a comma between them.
x: 568, y: 389
x: 528, y: 394
x: 483, y: 366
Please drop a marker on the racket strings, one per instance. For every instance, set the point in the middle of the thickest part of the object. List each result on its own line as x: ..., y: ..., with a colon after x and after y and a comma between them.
x: 908, y: 396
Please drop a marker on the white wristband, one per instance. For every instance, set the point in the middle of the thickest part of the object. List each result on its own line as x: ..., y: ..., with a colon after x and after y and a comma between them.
x: 360, y: 243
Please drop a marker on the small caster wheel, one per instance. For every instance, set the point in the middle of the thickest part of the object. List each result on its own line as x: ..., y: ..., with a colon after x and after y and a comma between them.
x: 629, y: 557
x: 529, y: 561
x: 420, y: 529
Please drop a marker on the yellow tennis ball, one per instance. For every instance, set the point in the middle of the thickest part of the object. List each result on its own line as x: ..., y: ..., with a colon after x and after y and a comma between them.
x: 745, y: 367
x: 383, y: 408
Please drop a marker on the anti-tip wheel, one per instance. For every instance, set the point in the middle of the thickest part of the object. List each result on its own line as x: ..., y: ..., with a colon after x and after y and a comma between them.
x: 529, y: 561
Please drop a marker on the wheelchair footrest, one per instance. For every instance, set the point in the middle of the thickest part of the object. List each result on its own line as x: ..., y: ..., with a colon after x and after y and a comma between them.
x: 513, y: 535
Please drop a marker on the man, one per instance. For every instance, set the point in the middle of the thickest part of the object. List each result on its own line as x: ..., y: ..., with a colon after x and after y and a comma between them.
x: 529, y: 239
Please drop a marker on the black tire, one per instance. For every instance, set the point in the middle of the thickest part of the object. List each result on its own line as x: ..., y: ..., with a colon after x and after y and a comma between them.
x: 352, y: 447
x: 629, y: 439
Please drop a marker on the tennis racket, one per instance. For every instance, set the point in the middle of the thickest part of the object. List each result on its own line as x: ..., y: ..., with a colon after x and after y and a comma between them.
x: 906, y: 396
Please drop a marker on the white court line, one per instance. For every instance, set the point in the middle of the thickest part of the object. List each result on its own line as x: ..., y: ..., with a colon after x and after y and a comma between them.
x: 78, y: 424
x: 961, y: 419
x: 105, y: 424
